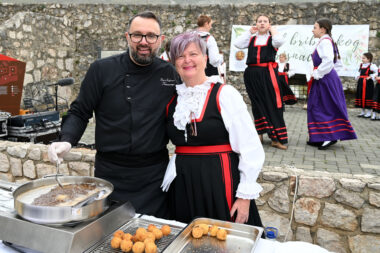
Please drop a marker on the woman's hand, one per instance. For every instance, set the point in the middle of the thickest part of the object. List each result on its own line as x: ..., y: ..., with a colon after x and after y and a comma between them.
x: 273, y: 30
x: 253, y: 29
x: 368, y: 78
x: 242, y: 208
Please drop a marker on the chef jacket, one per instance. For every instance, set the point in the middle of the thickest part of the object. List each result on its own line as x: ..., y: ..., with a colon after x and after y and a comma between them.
x: 129, y: 103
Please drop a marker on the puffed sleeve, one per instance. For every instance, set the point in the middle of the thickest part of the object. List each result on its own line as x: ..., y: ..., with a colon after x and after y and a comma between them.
x: 291, y: 71
x: 215, y: 57
x: 277, y: 40
x: 244, y: 141
x: 243, y: 40
x: 326, y: 53
x: 374, y: 70
x: 357, y: 74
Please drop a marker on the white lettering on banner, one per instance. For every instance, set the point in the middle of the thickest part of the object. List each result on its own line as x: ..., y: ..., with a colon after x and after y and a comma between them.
x: 352, y: 41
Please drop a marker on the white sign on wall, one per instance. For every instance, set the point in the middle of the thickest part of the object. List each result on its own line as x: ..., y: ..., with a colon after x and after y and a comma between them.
x: 352, y: 41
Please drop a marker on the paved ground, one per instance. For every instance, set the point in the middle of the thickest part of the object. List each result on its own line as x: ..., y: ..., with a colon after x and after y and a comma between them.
x: 361, y: 156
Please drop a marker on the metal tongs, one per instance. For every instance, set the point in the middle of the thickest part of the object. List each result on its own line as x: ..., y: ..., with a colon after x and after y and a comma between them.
x: 95, y: 196
x: 56, y: 175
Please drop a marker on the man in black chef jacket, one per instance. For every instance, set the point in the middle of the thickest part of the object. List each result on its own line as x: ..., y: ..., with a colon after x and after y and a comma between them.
x: 129, y: 93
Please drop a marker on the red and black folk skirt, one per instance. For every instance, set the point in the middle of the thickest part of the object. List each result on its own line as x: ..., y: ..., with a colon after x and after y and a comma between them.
x: 206, y: 184
x: 266, y: 103
x: 364, y: 93
x: 287, y: 94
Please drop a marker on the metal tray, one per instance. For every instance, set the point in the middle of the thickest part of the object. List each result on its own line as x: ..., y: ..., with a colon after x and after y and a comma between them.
x: 241, y: 238
x: 131, y: 227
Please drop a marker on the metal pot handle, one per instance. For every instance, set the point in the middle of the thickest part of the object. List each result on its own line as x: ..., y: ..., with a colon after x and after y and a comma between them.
x: 53, y: 175
x: 8, y: 186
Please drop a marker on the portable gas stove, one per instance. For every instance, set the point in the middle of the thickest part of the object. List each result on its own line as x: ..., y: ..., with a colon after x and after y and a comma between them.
x: 71, y: 238
x: 92, y: 236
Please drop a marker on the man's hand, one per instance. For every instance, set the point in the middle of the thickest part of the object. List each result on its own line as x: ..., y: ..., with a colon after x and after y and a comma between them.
x: 242, y: 208
x: 57, y: 150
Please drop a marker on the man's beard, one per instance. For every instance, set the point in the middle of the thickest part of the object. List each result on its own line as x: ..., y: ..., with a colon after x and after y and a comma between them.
x: 143, y: 60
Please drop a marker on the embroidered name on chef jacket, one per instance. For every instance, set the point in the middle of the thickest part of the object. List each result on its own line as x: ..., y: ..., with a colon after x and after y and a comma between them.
x: 168, y: 82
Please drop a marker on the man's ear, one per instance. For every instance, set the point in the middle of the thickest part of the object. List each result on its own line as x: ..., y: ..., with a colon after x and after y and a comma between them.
x: 162, y: 38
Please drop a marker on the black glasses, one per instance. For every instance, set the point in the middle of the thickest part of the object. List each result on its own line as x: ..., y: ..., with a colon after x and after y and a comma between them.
x: 151, y: 38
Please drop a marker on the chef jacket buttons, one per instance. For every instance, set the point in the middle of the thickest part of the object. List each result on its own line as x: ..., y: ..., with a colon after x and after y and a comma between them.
x: 129, y: 98
x: 128, y: 87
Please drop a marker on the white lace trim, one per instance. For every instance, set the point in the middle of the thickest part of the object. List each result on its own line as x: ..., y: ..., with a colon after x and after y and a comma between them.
x: 190, y: 102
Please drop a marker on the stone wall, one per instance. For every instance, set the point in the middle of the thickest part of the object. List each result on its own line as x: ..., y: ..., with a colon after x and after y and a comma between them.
x: 340, y: 212
x: 20, y: 162
x: 61, y: 40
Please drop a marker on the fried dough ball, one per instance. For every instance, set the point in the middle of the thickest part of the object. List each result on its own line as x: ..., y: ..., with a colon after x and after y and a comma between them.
x: 213, y: 230
x: 118, y: 233
x: 150, y: 247
x: 204, y: 227
x: 150, y: 235
x: 115, y: 242
x: 157, y: 233
x: 148, y: 240
x: 134, y: 238
x: 126, y: 245
x: 221, y: 234
x: 141, y: 236
x: 141, y: 230
x: 197, y: 232
x: 165, y: 230
x: 127, y: 236
x: 138, y: 247
x: 151, y: 227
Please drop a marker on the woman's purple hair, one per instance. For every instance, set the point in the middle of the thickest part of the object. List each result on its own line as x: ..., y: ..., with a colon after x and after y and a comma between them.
x: 181, y: 41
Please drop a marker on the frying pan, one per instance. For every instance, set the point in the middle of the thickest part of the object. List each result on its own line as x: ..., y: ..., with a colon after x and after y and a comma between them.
x: 61, y: 215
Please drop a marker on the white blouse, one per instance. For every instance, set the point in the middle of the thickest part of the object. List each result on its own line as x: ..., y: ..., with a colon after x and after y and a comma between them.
x: 243, y: 40
x: 281, y: 66
x: 214, y: 56
x: 243, y: 137
x: 373, y: 68
x: 326, y: 53
x: 164, y: 56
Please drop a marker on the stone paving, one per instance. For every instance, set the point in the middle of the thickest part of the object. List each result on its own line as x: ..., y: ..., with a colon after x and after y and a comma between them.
x: 361, y: 156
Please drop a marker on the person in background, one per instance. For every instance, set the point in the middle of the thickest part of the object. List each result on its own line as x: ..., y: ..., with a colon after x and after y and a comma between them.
x: 218, y: 153
x: 165, y: 55
x: 261, y: 80
x: 376, y: 97
x: 214, y: 57
x: 365, y: 88
x: 129, y: 93
x: 327, y: 117
x: 284, y: 72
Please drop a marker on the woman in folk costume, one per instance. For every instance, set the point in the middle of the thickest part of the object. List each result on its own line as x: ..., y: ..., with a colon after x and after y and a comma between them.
x: 284, y: 72
x: 218, y: 154
x: 326, y: 107
x: 165, y: 55
x: 365, y: 88
x: 261, y: 80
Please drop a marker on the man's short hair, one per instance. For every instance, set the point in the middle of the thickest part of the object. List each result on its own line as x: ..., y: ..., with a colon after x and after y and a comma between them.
x: 145, y: 14
x: 202, y: 20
